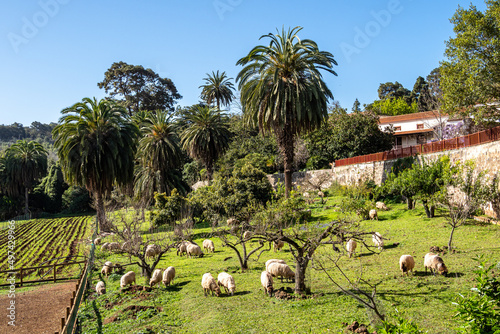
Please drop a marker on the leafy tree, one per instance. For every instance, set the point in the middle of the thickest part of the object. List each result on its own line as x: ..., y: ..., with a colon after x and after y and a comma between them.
x: 356, y: 106
x: 471, y: 73
x: 390, y: 90
x: 26, y: 163
x: 96, y: 143
x: 207, y: 135
x: 76, y: 200
x: 393, y: 107
x: 51, y: 189
x: 217, y: 88
x: 347, y: 135
x: 139, y: 88
x: 170, y: 208
x: 282, y: 89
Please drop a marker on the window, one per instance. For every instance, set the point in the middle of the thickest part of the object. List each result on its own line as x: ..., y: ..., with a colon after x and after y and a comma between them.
x: 397, y: 128
x: 420, y: 126
x: 421, y: 139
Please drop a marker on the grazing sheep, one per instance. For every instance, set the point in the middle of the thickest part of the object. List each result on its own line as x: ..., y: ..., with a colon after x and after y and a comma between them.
x: 268, y: 262
x: 381, y: 206
x: 266, y: 279
x: 373, y: 214
x: 247, y: 235
x: 351, y: 247
x: 278, y: 245
x: 232, y: 222
x: 152, y: 250
x: 227, y: 281
x: 100, y: 288
x: 377, y: 240
x: 114, y: 246
x: 105, y: 246
x: 281, y: 270
x: 208, y: 245
x: 97, y: 241
x: 435, y: 264
x: 194, y: 250
x: 406, y: 264
x: 306, y: 195
x: 126, y: 246
x: 107, y: 268
x: 155, y: 278
x: 127, y: 279
x: 168, y: 276
x: 208, y: 283
x: 321, y: 194
x: 181, y: 248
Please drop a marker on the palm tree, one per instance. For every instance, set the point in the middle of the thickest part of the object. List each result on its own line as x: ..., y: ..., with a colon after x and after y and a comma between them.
x: 282, y: 89
x: 159, y: 152
x: 25, y: 163
x: 96, y: 144
x: 218, y: 88
x: 206, y: 135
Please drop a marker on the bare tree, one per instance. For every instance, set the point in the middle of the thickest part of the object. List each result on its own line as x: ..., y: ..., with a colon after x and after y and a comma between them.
x: 318, y: 182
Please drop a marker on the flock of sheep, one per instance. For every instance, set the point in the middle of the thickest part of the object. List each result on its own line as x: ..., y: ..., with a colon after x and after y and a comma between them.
x: 274, y: 268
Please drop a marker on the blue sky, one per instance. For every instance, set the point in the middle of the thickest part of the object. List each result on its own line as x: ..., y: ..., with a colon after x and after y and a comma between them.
x: 54, y: 52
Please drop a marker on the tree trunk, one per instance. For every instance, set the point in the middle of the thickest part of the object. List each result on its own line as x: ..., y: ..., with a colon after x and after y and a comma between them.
x: 451, y: 238
x: 287, y: 149
x: 101, y: 214
x: 26, y: 198
x: 409, y: 203
x: 432, y: 210
x: 427, y: 210
x: 300, y: 273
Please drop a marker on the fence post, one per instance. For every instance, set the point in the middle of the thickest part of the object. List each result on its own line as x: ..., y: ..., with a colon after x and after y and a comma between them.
x: 55, y: 276
x: 63, y: 322
x: 21, y: 273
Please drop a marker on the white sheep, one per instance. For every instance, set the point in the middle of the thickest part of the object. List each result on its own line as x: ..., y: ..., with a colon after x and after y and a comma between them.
x: 232, y: 222
x: 107, y: 268
x: 181, y: 248
x: 155, y: 278
x: 100, y: 288
x: 266, y: 279
x: 306, y: 195
x: 194, y: 250
x: 208, y: 283
x: 378, y: 241
x: 152, y: 250
x: 278, y: 245
x: 227, y: 281
x: 126, y: 246
x: 208, y: 245
x: 168, y: 276
x: 105, y: 246
x: 351, y: 247
x: 373, y: 214
x: 435, y: 264
x: 321, y: 194
x: 381, y: 206
x: 97, y: 241
x: 127, y: 279
x: 281, y: 270
x: 268, y: 262
x: 406, y: 264
x: 247, y: 235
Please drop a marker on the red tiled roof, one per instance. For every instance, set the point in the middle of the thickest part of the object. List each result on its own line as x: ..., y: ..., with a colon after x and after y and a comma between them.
x: 411, y: 117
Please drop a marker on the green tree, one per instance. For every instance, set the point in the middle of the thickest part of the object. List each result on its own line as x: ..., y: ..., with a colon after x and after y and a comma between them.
x: 390, y: 90
x: 96, y: 143
x: 393, y: 107
x: 206, y: 135
x: 217, y: 88
x: 26, y: 163
x: 138, y: 88
x: 471, y: 73
x: 282, y: 89
x: 51, y: 189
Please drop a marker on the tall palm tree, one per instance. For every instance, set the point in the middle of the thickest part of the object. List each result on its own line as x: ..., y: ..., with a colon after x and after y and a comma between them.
x: 207, y: 135
x: 25, y: 163
x: 218, y: 88
x: 96, y: 144
x: 282, y: 89
x: 159, y: 152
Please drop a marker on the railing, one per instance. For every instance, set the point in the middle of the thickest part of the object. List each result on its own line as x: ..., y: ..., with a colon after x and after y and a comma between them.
x: 477, y: 138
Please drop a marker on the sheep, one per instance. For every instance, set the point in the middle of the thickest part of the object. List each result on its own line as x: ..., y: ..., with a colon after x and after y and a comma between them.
x: 126, y: 246
x: 127, y: 279
x: 381, y: 206
x: 156, y: 277
x: 168, y: 276
x: 373, y: 214
x: 194, y: 250
x: 97, y: 241
x: 114, y: 246
x: 208, y: 245
x: 232, y: 222
x: 278, y: 245
x: 435, y: 264
x: 247, y: 235
x: 227, y: 281
x: 208, y: 283
x: 268, y: 262
x: 107, y: 268
x: 281, y: 270
x: 266, y: 279
x: 321, y: 194
x: 351, y: 247
x: 306, y: 195
x: 100, y: 288
x: 152, y: 250
x: 406, y: 264
x: 377, y: 240
x: 105, y: 246
x: 181, y: 248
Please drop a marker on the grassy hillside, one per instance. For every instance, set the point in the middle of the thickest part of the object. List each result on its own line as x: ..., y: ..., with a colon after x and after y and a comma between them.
x: 183, y: 308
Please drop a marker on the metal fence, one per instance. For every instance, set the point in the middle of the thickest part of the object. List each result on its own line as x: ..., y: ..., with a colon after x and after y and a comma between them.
x: 477, y: 138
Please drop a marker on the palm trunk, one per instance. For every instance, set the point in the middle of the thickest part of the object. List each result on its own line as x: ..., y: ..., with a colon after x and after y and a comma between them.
x: 101, y: 214
x: 26, y: 204
x: 288, y: 162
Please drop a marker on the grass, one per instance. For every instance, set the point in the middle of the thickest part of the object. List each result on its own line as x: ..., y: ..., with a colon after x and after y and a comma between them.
x: 425, y: 299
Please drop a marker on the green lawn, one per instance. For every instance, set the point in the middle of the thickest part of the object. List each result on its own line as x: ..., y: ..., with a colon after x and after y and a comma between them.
x: 425, y: 299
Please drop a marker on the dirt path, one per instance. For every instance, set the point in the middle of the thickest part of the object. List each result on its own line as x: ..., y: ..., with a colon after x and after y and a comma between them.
x: 37, y: 311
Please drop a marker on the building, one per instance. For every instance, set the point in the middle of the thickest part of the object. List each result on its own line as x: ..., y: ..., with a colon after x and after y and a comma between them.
x: 417, y: 128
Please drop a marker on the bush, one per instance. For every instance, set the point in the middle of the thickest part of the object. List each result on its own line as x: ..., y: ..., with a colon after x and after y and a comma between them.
x: 401, y: 326
x: 169, y: 208
x: 76, y: 200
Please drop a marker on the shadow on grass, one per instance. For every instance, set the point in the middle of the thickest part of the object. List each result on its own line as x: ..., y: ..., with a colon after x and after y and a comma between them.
x: 98, y: 316
x: 176, y: 287
x: 237, y: 293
